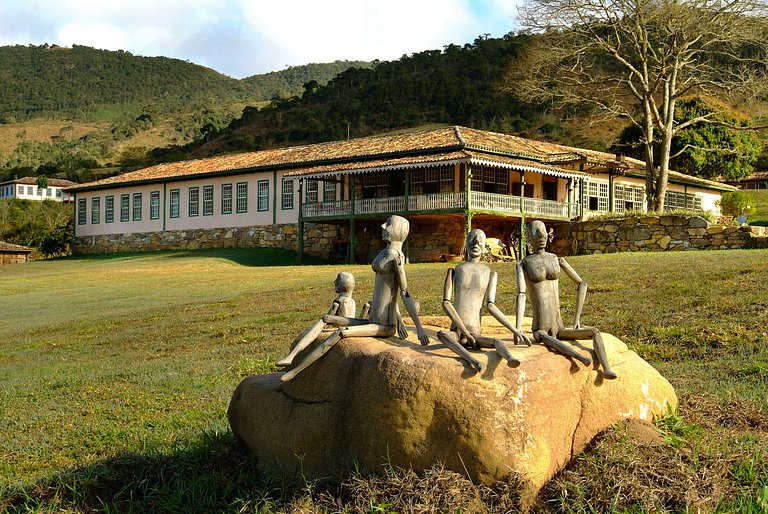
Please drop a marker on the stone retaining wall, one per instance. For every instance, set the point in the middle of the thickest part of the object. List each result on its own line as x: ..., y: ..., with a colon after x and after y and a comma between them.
x: 653, y: 233
x: 317, y: 239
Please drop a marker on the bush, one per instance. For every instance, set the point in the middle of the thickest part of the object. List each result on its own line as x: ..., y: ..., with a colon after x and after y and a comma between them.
x: 733, y: 203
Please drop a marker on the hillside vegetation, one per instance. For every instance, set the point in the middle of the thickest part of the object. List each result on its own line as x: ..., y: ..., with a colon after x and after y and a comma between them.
x: 73, y: 109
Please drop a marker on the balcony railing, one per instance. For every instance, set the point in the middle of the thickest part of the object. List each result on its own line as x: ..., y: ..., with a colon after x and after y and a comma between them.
x: 442, y: 202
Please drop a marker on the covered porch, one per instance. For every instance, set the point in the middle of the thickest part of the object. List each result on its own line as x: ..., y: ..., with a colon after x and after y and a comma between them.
x: 467, y: 189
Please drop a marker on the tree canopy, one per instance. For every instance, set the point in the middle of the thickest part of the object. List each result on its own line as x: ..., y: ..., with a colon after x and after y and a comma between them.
x: 636, y: 59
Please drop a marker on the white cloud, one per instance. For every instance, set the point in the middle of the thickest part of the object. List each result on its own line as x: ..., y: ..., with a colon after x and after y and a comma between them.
x: 244, y: 37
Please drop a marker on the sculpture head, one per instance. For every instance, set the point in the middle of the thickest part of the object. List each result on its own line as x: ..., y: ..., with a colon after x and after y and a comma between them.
x: 344, y: 283
x: 537, y: 235
x: 475, y: 243
x: 395, y: 229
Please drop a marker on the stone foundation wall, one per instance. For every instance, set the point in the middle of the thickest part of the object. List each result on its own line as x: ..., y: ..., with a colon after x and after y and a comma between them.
x: 653, y: 233
x: 317, y: 239
x: 433, y: 241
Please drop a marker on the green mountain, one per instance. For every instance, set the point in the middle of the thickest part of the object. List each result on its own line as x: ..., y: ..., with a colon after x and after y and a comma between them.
x: 69, y: 109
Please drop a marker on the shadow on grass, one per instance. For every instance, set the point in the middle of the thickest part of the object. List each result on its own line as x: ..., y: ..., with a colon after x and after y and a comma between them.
x: 215, y: 474
x: 255, y: 257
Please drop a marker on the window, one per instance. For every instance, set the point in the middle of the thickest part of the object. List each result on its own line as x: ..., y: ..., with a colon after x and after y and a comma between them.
x: 154, y: 205
x: 136, y: 206
x: 446, y: 180
x: 627, y: 198
x: 175, y: 203
x: 674, y: 200
x: 287, y: 193
x: 58, y: 195
x: 30, y: 190
x: 81, y: 211
x: 597, y: 196
x: 329, y: 190
x: 48, y: 192
x: 226, y: 198
x: 194, y: 201
x: 109, y: 209
x: 39, y: 191
x: 311, y: 196
x: 263, y: 192
x: 95, y: 210
x: 21, y: 190
x: 242, y: 197
x: 207, y: 200
x: 125, y: 206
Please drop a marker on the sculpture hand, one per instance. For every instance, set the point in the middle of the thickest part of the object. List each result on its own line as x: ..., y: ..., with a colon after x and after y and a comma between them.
x: 423, y: 339
x: 523, y: 339
x: 402, y: 333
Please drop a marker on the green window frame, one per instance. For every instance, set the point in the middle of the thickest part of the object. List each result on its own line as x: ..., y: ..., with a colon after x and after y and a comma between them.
x: 154, y: 205
x: 287, y: 194
x: 242, y: 197
x: 125, y: 208
x: 109, y: 209
x: 136, y: 206
x: 194, y: 201
x: 81, y: 207
x: 311, y: 195
x: 329, y: 191
x: 207, y: 200
x: 263, y: 198
x: 175, y: 203
x: 226, y: 198
x: 95, y: 210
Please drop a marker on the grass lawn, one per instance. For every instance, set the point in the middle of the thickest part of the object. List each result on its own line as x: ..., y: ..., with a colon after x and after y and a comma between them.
x: 116, y: 374
x: 760, y: 213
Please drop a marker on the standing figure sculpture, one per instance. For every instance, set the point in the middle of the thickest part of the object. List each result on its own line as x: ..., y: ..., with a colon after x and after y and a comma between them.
x: 383, y: 319
x: 475, y: 286
x: 537, y: 276
x: 343, y: 305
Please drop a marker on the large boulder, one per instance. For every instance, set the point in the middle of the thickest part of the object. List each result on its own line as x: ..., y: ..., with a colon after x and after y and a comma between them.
x: 369, y: 403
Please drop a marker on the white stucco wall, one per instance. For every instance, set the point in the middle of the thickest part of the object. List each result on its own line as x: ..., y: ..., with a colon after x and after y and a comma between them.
x: 274, y: 214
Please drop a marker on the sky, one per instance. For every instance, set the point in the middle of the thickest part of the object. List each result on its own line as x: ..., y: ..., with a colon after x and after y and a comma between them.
x: 241, y: 38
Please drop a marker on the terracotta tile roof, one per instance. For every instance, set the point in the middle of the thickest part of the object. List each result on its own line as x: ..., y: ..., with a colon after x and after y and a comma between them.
x: 57, y: 182
x: 378, y: 151
x: 12, y: 248
x: 361, y: 166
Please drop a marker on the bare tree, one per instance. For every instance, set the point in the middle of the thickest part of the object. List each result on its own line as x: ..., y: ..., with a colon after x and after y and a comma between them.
x: 635, y: 58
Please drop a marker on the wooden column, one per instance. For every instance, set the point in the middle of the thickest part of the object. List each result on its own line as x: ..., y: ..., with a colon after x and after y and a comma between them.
x: 300, y: 251
x: 352, y: 225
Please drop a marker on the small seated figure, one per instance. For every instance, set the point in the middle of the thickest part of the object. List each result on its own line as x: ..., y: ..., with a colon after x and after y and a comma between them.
x: 475, y: 287
x: 537, y: 277
x: 343, y: 305
x: 383, y: 316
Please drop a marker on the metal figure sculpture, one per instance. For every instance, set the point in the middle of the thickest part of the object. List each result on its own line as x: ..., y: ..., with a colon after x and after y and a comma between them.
x: 383, y: 316
x: 343, y: 305
x: 474, y: 285
x: 537, y: 278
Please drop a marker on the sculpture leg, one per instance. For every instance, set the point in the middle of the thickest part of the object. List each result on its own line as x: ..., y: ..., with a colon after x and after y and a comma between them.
x: 501, y: 348
x: 450, y: 340
x: 597, y: 342
x: 560, y: 347
x: 369, y: 330
x: 305, y: 341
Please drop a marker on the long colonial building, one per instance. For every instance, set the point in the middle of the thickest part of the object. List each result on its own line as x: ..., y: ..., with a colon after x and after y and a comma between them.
x: 328, y: 199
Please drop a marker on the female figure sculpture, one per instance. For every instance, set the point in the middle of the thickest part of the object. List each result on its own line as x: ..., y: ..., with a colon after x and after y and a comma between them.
x: 537, y: 276
x: 475, y: 286
x: 383, y: 318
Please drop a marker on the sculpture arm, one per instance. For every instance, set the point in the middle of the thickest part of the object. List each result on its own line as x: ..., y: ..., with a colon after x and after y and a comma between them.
x: 490, y: 295
x: 334, y: 307
x: 409, y: 302
x: 450, y: 310
x: 365, y: 310
x: 520, y: 307
x: 581, y: 290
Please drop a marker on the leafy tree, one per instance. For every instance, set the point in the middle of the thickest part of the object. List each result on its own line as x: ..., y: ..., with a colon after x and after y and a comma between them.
x: 637, y: 59
x: 704, y: 149
x: 42, y: 181
x: 735, y: 202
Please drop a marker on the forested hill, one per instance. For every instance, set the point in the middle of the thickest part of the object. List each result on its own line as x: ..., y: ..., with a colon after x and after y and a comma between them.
x: 77, y: 81
x: 456, y: 85
x: 70, y: 112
